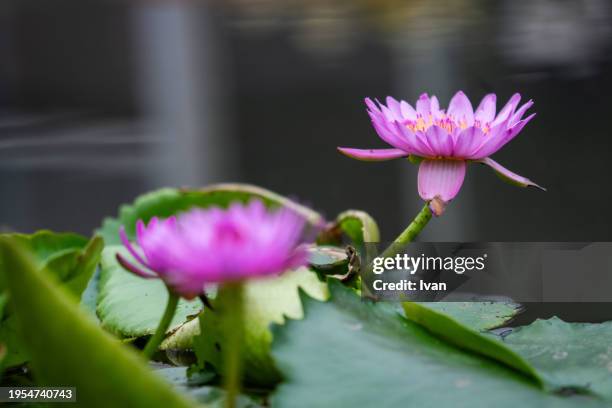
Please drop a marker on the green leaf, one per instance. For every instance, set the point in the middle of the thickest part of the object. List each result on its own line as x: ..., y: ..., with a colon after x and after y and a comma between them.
x: 479, y: 316
x: 462, y: 336
x: 130, y: 306
x: 169, y: 201
x: 267, y: 301
x: 3, y: 302
x: 567, y: 355
x: 52, y: 250
x: 68, y: 348
x: 181, y: 338
x: 359, y: 226
x: 3, y: 352
x: 16, y: 354
x: 46, y: 245
x: 89, y: 298
x: 353, y: 353
x: 68, y: 257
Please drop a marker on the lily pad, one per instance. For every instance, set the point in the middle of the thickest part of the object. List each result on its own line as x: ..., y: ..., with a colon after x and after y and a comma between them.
x: 267, y: 301
x: 169, y: 201
x: 353, y: 353
x: 480, y: 316
x: 130, y: 306
x: 569, y: 356
x: 457, y: 333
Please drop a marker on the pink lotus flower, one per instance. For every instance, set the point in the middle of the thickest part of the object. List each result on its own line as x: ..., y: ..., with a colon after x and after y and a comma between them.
x: 446, y: 141
x: 202, y: 247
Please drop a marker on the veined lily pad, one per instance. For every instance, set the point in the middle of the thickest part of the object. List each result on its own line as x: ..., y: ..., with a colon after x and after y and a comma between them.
x: 569, y: 356
x: 457, y: 333
x: 353, y: 353
x: 480, y: 316
x: 130, y: 306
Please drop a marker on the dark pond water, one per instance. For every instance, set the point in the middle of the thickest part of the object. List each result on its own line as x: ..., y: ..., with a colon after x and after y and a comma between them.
x: 101, y: 101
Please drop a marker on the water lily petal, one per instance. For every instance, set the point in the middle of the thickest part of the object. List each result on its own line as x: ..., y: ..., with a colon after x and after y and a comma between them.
x: 394, y: 106
x: 372, y: 106
x: 133, y: 268
x: 491, y: 143
x: 372, y: 154
x: 408, y: 111
x: 499, y: 137
x: 468, y: 141
x: 507, y: 110
x: 461, y: 109
x: 423, y: 105
x: 518, y: 126
x: 434, y: 106
x: 520, y: 112
x: 485, y: 112
x: 388, y: 132
x: 417, y: 141
x: 128, y: 245
x: 389, y: 114
x: 440, y: 141
x: 508, y: 175
x: 440, y: 178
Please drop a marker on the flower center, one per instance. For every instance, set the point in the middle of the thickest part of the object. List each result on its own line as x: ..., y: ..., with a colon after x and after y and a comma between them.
x: 444, y: 121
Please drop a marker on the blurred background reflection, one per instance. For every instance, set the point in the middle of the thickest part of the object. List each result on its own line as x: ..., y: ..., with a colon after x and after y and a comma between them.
x: 103, y: 100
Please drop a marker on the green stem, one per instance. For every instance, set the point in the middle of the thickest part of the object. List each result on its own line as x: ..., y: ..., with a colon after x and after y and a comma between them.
x: 410, y: 233
x: 233, y: 318
x: 403, y: 239
x: 164, y: 323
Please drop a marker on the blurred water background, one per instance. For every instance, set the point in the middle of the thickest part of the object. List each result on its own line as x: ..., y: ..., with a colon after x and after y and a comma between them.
x: 103, y: 100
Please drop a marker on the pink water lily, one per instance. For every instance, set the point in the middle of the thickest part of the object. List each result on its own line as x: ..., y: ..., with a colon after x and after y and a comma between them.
x: 209, y: 246
x: 445, y: 140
